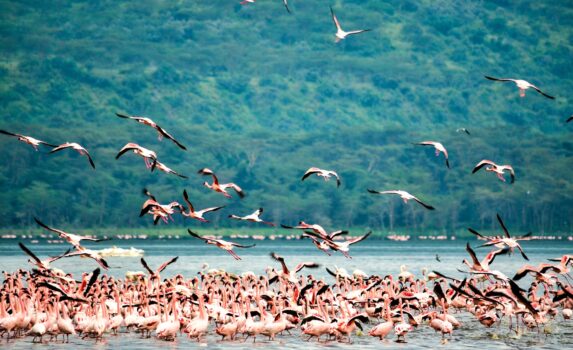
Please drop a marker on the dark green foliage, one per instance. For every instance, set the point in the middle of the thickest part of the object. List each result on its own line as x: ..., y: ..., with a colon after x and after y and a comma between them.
x: 259, y: 96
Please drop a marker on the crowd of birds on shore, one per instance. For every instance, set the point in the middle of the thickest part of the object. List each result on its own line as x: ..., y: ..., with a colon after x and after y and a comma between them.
x: 47, y: 302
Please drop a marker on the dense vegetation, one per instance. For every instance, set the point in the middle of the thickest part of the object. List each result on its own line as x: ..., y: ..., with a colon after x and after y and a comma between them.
x: 259, y: 96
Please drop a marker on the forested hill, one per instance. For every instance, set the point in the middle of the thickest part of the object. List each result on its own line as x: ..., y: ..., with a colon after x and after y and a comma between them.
x: 259, y: 96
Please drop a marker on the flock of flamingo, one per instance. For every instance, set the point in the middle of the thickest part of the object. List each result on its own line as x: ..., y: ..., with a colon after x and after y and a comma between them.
x: 47, y: 302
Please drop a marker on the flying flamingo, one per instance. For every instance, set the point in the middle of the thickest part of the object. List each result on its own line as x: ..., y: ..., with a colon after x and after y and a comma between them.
x: 325, y: 174
x: 145, y: 153
x: 28, y: 139
x: 41, y: 264
x: 198, y: 215
x: 522, y: 85
x: 439, y: 149
x: 341, y: 34
x: 89, y: 253
x: 146, y: 121
x: 508, y: 241
x: 225, y: 245
x: 221, y: 188
x: 487, y: 260
x: 343, y: 247
x: 155, y: 274
x: 254, y: 217
x: 497, y: 169
x: 77, y: 147
x: 157, y: 164
x: 71, y: 238
x: 405, y: 196
x: 288, y: 274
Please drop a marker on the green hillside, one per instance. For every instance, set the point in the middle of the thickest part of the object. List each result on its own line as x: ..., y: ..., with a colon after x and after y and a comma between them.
x: 259, y: 96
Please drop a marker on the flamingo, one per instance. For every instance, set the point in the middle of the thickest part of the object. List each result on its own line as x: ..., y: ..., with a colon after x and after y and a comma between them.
x: 146, y: 121
x: 439, y: 149
x: 28, y: 139
x: 522, y: 85
x: 41, y: 264
x: 288, y: 274
x: 341, y: 34
x: 157, y: 164
x: 254, y: 217
x: 343, y: 247
x: 89, y: 253
x: 198, y: 215
x: 404, y: 195
x: 145, y: 153
x: 508, y: 241
x: 225, y: 245
x: 463, y: 130
x: 221, y: 188
x: 71, y: 238
x: 497, y: 169
x: 244, y: 2
x: 154, y: 275
x: 487, y: 260
x: 325, y: 174
x: 77, y: 147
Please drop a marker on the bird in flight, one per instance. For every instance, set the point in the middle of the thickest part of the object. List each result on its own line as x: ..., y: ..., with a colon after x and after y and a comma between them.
x: 463, y: 130
x: 341, y: 34
x: 405, y: 196
x: 198, y: 215
x: 157, y: 164
x: 254, y: 217
x: 497, y: 169
x: 75, y: 146
x: 221, y: 188
x: 522, y: 85
x: 325, y: 174
x: 146, y: 121
x: 28, y: 139
x: 225, y: 245
x: 439, y: 149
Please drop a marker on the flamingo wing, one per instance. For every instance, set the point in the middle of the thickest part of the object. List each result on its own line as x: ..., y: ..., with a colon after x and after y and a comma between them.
x: 427, y: 206
x: 186, y: 199
x: 334, y: 19
x: 481, y: 164
x: 358, y: 239
x: 167, y: 263
x: 503, y: 226
x: 29, y: 252
x: 168, y: 135
x: 144, y: 263
x: 499, y: 79
x: 309, y: 265
x: 310, y: 171
x: 541, y: 92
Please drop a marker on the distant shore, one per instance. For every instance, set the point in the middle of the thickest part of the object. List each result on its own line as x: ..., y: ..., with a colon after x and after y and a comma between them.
x: 256, y: 234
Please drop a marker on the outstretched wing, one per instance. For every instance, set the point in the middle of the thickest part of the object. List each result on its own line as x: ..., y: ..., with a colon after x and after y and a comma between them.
x: 472, y: 254
x: 310, y: 171
x: 243, y: 246
x: 197, y: 236
x: 481, y: 164
x: 167, y: 263
x: 358, y: 239
x: 499, y: 79
x: 144, y: 263
x: 541, y: 92
x: 186, y: 198
x: 9, y: 133
x: 29, y: 252
x: 128, y: 147
x: 168, y: 135
x: 92, y: 280
x: 503, y: 226
x: 334, y: 19
x: 59, y: 232
x: 427, y: 206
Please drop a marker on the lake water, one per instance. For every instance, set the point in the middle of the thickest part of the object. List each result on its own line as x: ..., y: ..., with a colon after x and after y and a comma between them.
x: 372, y: 256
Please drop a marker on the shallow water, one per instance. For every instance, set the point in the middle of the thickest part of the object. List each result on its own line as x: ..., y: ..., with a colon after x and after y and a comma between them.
x: 372, y: 256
